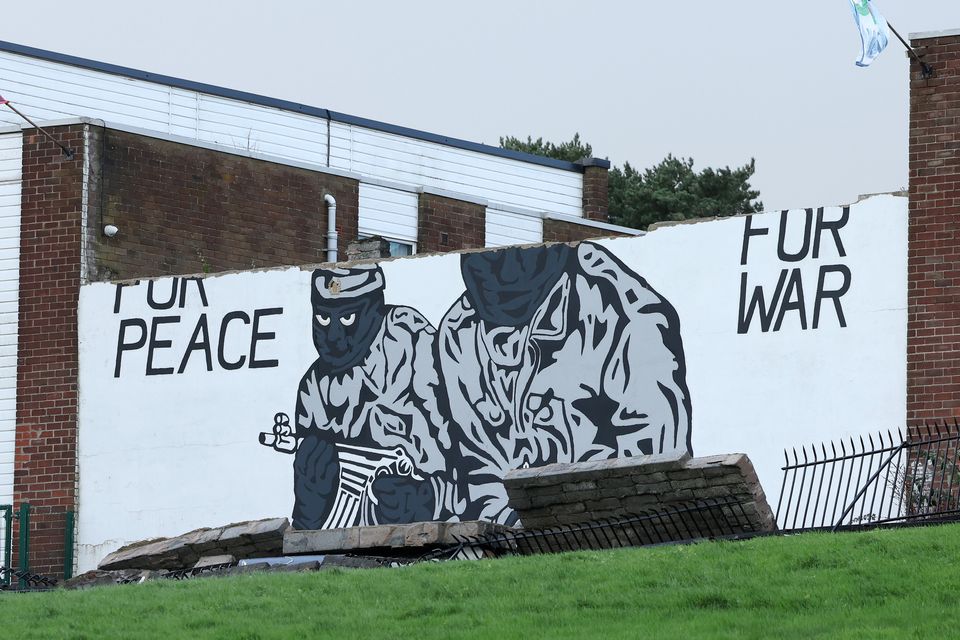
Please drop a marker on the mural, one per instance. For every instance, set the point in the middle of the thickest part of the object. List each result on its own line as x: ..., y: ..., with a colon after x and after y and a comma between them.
x: 551, y: 354
x: 406, y: 390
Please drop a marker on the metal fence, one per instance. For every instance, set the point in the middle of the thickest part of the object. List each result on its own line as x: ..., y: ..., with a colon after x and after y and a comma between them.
x: 26, y: 579
x: 684, y: 522
x: 6, y: 541
x: 890, y: 478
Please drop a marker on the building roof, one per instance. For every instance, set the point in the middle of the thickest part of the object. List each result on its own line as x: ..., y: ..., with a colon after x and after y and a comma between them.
x: 922, y: 35
x: 297, y: 107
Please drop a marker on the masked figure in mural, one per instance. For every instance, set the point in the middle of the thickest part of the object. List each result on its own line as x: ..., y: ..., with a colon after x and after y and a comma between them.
x: 557, y: 354
x: 370, y: 445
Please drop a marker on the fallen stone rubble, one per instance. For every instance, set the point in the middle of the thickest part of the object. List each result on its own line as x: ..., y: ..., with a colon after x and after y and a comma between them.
x: 253, y: 539
x: 559, y: 495
x: 99, y: 577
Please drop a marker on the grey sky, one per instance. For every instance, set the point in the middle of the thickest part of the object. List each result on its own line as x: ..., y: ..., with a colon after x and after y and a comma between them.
x: 718, y: 81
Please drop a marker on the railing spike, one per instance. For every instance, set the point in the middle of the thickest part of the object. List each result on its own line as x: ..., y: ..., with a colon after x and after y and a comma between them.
x: 804, y: 450
x: 870, y: 437
x: 843, y: 448
x: 833, y: 447
x: 796, y: 460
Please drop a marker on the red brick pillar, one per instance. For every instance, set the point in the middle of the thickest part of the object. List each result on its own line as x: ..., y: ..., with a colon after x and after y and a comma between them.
x: 45, y: 462
x: 933, y: 307
x: 595, y: 178
x: 449, y: 224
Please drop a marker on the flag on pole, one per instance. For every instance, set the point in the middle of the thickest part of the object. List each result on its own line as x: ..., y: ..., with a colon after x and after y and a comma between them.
x: 874, y: 33
x: 3, y: 100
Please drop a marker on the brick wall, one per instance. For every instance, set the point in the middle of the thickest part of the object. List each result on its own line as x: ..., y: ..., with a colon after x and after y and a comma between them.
x: 180, y: 209
x: 46, y: 437
x: 184, y: 209
x: 445, y: 224
x: 563, y: 231
x: 933, y: 308
x: 595, y: 198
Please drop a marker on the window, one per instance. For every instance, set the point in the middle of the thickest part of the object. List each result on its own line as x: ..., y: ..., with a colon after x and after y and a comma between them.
x: 400, y: 248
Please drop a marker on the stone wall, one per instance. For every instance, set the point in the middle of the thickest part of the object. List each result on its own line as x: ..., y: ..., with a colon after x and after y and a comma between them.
x: 560, y: 494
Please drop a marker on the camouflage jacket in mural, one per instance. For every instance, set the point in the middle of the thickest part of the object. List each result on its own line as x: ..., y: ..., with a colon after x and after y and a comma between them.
x: 557, y: 354
x: 373, y: 443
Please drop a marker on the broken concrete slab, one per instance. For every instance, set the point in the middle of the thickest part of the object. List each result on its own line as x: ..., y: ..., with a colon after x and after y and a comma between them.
x: 573, y: 493
x: 210, y: 561
x: 417, y: 536
x: 98, y: 578
x: 256, y: 538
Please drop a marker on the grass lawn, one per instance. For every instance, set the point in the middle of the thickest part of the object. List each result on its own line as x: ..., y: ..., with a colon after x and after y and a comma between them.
x: 882, y: 584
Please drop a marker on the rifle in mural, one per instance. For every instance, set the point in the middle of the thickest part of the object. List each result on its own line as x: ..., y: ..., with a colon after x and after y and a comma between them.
x: 282, y: 438
x: 358, y: 468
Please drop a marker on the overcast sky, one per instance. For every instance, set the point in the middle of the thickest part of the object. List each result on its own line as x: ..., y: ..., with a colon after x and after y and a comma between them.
x: 717, y: 81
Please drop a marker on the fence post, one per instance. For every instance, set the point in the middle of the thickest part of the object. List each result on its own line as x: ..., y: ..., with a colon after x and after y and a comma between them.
x: 68, y: 547
x: 7, y: 543
x: 24, y: 542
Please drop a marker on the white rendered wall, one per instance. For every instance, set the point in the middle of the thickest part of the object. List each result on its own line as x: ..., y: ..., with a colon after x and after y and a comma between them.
x: 163, y: 454
x: 47, y: 90
x: 10, y: 171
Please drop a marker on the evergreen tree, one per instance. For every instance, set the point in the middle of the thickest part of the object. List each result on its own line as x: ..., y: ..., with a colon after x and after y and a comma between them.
x: 670, y: 190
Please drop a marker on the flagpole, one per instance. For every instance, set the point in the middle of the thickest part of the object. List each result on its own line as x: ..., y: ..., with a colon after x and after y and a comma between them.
x: 926, y: 71
x: 67, y: 152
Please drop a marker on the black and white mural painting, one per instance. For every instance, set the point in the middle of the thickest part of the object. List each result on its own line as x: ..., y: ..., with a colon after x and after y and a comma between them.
x: 406, y: 390
x: 551, y: 354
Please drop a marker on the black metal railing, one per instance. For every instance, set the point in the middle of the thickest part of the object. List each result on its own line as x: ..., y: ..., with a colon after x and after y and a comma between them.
x: 6, y: 541
x: 28, y: 581
x: 892, y: 478
x: 684, y: 522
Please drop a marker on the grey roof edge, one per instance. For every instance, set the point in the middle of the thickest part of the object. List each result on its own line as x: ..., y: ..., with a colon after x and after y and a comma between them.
x: 924, y: 35
x: 596, y: 224
x: 296, y: 107
x: 603, y: 163
x: 193, y: 142
x: 453, y: 195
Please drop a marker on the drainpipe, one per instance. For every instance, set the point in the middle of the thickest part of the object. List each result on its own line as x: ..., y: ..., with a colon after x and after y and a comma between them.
x: 331, y: 227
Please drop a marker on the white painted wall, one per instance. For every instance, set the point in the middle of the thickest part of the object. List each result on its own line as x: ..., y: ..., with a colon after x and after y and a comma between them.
x: 47, y: 90
x: 505, y: 228
x: 10, y: 173
x: 163, y: 454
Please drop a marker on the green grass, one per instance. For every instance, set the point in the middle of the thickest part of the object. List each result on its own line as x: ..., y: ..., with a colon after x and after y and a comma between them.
x: 881, y: 584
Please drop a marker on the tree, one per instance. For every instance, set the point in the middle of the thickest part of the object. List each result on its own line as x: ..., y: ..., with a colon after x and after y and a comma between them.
x: 670, y: 190
x: 569, y: 151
